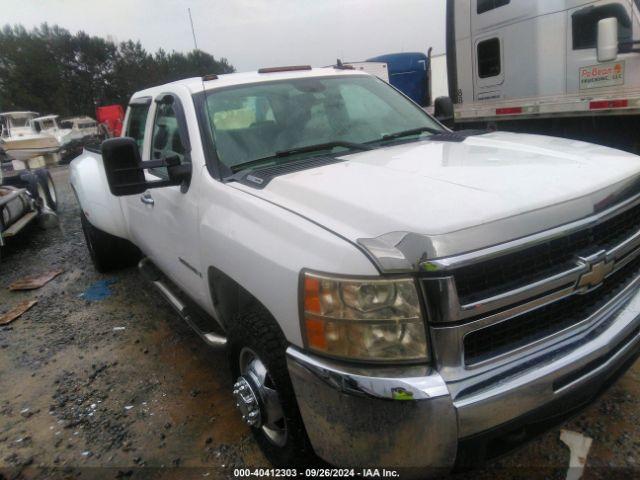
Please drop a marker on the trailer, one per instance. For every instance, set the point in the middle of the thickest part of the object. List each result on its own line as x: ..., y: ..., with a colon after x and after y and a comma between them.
x: 25, y: 196
x: 378, y: 69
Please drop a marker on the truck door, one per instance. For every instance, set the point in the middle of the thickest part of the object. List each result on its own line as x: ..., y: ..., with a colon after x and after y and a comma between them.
x: 164, y: 221
x: 587, y: 76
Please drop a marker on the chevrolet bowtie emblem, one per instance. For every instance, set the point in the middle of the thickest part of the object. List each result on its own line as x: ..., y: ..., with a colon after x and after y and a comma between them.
x: 599, y: 268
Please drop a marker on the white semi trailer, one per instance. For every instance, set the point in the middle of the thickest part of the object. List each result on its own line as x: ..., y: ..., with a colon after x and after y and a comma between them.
x: 560, y: 67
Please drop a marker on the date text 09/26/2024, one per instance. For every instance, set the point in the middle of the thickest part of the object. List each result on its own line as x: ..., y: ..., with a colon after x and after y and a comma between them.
x: 316, y: 472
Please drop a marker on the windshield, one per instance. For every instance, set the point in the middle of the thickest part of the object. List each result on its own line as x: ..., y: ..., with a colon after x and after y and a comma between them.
x: 263, y: 120
x: 47, y: 124
x: 19, y: 121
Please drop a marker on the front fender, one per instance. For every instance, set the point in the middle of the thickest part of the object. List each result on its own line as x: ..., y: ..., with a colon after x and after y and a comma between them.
x: 264, y: 247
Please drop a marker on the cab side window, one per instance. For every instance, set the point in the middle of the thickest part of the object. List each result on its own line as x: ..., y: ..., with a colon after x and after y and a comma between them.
x: 136, y: 124
x: 488, y: 5
x: 489, y: 58
x: 166, y: 141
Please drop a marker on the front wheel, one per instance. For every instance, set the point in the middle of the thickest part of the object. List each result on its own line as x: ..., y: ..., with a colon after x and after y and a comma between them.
x: 263, y: 391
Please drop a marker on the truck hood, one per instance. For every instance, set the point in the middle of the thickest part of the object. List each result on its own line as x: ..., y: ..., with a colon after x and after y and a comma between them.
x: 502, y: 185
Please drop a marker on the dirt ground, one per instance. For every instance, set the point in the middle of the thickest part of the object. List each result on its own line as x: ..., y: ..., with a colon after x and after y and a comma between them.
x: 119, y: 387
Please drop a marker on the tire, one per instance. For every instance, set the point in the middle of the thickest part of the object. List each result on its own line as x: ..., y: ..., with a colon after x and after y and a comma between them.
x: 108, y: 252
x: 29, y: 181
x: 256, y: 331
x: 48, y: 189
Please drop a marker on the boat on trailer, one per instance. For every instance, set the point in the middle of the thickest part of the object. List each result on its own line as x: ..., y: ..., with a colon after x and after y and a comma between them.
x: 20, y: 139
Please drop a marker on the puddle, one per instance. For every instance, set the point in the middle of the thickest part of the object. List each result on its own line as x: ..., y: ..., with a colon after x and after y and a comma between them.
x: 99, y: 290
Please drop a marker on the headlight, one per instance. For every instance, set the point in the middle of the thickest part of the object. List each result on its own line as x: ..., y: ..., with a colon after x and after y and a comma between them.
x: 365, y: 320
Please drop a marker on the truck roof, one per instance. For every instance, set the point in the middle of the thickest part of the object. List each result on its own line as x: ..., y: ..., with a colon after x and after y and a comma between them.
x: 195, y: 84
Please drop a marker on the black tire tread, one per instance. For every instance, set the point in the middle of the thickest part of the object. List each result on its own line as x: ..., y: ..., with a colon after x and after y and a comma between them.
x: 107, y: 251
x: 255, y: 328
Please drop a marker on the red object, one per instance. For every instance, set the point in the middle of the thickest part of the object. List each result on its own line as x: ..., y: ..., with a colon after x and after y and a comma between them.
x: 112, y: 116
x: 604, y: 104
x: 509, y: 111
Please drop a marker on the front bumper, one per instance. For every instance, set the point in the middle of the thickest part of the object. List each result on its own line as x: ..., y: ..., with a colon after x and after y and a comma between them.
x: 359, y: 417
x: 410, y: 417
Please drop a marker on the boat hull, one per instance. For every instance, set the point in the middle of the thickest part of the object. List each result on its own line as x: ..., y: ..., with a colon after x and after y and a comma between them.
x: 26, y: 148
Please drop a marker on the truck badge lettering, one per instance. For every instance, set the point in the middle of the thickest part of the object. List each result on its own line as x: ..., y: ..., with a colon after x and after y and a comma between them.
x: 255, y: 179
x: 602, y: 75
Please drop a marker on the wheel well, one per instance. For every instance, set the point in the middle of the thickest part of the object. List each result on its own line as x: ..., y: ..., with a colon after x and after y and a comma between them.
x: 228, y: 296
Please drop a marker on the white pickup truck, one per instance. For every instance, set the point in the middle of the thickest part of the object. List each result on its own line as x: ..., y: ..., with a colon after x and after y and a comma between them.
x: 389, y: 292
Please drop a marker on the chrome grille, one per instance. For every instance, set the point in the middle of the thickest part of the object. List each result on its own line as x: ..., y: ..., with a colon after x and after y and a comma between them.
x: 532, y: 298
x: 532, y: 326
x: 514, y: 270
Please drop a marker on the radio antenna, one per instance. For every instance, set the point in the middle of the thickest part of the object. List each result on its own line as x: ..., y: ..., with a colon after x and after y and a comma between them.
x: 203, y: 76
x: 193, y: 30
x: 196, y: 51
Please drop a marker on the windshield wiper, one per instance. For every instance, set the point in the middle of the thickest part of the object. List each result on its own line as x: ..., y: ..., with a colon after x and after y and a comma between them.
x: 323, y: 146
x: 294, y: 151
x: 408, y: 133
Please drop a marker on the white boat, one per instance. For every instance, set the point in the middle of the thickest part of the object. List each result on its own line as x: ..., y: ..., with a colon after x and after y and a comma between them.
x: 19, y: 138
x: 48, y: 124
x: 83, y: 127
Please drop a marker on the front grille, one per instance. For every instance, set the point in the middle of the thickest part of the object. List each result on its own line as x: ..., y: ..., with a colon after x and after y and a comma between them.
x: 525, y: 329
x: 520, y: 268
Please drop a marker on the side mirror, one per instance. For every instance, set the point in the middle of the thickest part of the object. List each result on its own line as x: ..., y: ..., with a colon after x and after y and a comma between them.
x: 125, y: 169
x: 608, y: 39
x: 443, y: 111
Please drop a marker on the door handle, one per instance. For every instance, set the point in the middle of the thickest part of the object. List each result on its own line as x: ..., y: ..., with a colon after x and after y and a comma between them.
x: 147, y: 199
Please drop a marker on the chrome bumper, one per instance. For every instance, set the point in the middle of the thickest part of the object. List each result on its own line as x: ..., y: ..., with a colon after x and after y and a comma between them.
x: 374, y: 417
x: 411, y: 417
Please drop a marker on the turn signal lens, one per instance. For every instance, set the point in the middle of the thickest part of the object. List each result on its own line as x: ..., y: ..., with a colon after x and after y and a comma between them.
x: 364, y: 320
x: 311, y: 298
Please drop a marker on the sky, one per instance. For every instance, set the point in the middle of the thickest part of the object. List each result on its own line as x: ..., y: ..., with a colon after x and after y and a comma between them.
x: 251, y: 33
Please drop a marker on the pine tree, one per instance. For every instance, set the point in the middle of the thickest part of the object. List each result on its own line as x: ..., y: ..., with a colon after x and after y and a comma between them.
x: 50, y: 70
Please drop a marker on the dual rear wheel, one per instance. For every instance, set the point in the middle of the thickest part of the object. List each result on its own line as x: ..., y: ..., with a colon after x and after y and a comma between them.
x: 256, y: 350
x: 107, y: 251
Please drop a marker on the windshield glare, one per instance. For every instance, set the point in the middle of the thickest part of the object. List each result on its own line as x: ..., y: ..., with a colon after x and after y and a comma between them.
x: 257, y: 121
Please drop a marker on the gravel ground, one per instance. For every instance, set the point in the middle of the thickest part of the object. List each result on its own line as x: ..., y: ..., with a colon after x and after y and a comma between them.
x: 121, y: 388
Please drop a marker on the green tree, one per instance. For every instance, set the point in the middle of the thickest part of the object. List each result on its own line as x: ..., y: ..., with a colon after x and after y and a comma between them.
x: 50, y: 70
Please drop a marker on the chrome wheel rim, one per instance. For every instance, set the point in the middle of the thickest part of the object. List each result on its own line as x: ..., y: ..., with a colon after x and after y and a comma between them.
x: 255, y: 384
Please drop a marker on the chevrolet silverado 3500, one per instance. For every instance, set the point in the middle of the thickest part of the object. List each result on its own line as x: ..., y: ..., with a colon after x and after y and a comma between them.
x: 389, y: 292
